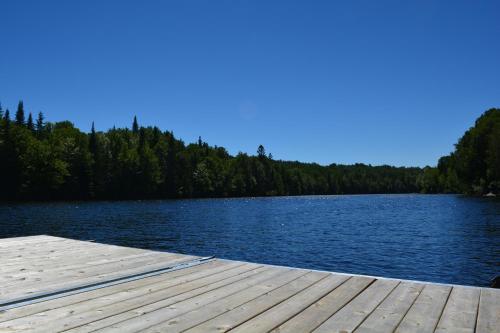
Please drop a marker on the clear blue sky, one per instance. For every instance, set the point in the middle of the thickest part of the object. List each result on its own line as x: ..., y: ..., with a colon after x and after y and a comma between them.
x: 380, y: 82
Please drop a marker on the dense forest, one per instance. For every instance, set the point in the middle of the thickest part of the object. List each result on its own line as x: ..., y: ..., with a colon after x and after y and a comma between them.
x: 43, y: 160
x: 474, y: 166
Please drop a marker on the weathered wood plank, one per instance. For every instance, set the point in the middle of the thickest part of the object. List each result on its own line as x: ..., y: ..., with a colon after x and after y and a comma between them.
x: 9, y: 242
x: 242, y: 313
x: 389, y: 313
x: 460, y: 312
x: 74, y: 259
x: 319, y: 312
x: 71, y: 279
x: 221, y: 295
x: 6, y: 250
x: 61, y: 278
x: 66, y: 318
x: 289, y: 308
x: 132, y: 289
x: 133, y: 318
x: 199, y: 315
x: 424, y: 314
x: 42, y: 245
x: 350, y: 316
x: 488, y: 320
x: 24, y: 273
x: 31, y: 255
x: 27, y: 252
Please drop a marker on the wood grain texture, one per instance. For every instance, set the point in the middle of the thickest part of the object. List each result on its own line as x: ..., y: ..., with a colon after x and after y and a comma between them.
x: 488, y: 320
x: 424, y: 314
x: 221, y: 295
x: 353, y: 314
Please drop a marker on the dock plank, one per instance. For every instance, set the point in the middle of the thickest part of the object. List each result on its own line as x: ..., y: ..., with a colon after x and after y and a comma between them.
x: 320, y: 311
x: 460, y: 312
x: 28, y: 240
x: 289, y: 308
x: 27, y: 273
x: 488, y: 320
x: 391, y: 311
x: 218, y: 295
x: 199, y: 315
x: 136, y: 319
x: 33, y: 247
x: 75, y: 278
x: 130, y: 308
x: 424, y: 314
x: 243, y: 313
x: 350, y: 316
x: 130, y: 288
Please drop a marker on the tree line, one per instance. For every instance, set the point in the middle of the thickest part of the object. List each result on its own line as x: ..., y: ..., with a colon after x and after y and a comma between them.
x: 474, y: 166
x: 43, y: 160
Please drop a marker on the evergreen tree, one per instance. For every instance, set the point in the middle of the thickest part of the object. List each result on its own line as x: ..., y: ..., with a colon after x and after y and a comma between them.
x: 65, y: 163
x: 135, y: 126
x: 261, y: 151
x: 93, y: 141
x: 1, y: 111
x: 473, y: 166
x: 156, y: 136
x: 95, y: 164
x: 40, y: 123
x: 142, y: 139
x: 20, y: 113
x: 29, y: 123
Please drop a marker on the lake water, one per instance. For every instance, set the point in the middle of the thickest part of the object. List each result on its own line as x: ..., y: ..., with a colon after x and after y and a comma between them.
x: 440, y: 238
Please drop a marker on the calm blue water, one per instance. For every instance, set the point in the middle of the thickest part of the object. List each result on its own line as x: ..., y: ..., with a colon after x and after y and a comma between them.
x: 440, y: 238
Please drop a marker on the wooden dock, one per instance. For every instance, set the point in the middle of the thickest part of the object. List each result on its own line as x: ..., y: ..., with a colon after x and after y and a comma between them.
x: 50, y: 284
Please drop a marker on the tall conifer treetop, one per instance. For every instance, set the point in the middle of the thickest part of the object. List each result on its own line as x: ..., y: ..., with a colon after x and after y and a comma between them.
x: 58, y: 161
x: 261, y: 151
x: 135, y: 125
x: 40, y: 122
x: 29, y: 124
x: 20, y: 113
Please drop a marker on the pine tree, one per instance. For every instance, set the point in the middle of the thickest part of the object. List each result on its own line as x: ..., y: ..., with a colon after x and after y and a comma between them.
x: 20, y: 113
x: 156, y: 136
x: 6, y: 116
x: 95, y: 185
x: 142, y: 139
x: 1, y: 127
x: 135, y: 126
x: 261, y: 152
x: 39, y: 123
x: 29, y: 123
x: 93, y: 141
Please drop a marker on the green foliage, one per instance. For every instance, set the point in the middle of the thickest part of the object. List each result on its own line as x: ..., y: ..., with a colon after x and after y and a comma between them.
x: 135, y: 126
x: 474, y: 166
x: 29, y: 124
x: 40, y: 124
x: 49, y: 161
x: 20, y: 114
x: 261, y: 152
x: 6, y: 116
